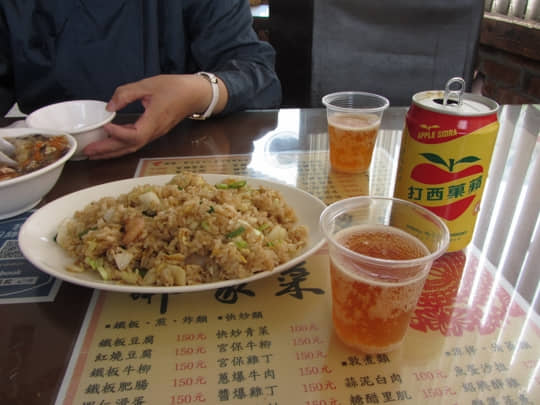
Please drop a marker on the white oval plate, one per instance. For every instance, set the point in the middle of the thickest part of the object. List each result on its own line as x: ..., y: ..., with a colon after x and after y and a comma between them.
x: 36, y: 237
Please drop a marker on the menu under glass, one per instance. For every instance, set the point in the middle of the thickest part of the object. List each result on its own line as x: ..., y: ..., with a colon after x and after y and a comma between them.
x: 472, y: 340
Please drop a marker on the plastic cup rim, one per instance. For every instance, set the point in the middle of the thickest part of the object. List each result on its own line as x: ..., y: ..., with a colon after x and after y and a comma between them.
x: 327, y: 103
x: 341, y: 204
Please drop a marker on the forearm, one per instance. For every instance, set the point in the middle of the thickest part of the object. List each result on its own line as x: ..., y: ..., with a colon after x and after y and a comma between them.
x: 227, y: 46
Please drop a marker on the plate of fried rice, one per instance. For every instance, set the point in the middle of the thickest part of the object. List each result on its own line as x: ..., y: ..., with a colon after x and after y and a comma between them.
x: 173, y: 233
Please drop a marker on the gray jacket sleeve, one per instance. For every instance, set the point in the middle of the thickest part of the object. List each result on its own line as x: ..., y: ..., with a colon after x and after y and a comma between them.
x: 63, y: 48
x: 223, y: 42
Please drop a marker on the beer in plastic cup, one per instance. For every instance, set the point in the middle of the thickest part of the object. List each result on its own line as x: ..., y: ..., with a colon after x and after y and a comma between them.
x: 381, y: 251
x: 353, y: 123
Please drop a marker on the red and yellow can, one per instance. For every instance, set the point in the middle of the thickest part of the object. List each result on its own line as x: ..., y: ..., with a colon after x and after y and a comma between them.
x: 445, y: 155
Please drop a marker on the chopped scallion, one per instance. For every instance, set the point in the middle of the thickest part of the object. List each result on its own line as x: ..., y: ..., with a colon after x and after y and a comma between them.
x: 240, y: 243
x: 231, y: 185
x: 142, y: 271
x: 237, y: 184
x: 238, y: 231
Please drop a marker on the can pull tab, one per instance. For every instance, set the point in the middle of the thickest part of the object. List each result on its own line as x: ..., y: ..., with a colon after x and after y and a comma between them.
x: 454, y: 89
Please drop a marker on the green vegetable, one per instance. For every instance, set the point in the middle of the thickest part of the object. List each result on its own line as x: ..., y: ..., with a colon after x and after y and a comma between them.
x: 238, y: 231
x: 86, y: 231
x: 94, y: 263
x: 103, y: 273
x: 97, y: 264
x: 205, y: 226
x: 237, y: 184
x: 211, y: 210
x: 240, y: 243
x: 232, y: 185
x: 150, y: 213
x: 142, y: 271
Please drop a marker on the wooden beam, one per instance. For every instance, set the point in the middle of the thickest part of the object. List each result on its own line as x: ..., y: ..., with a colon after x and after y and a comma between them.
x: 513, y: 35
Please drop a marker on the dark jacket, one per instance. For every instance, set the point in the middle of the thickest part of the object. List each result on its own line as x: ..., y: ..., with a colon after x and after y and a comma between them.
x: 55, y: 50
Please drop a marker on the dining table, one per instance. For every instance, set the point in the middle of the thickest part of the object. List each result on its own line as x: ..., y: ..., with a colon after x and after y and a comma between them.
x: 474, y: 337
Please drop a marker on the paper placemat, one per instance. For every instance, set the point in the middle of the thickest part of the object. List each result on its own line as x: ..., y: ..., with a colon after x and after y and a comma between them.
x: 471, y: 341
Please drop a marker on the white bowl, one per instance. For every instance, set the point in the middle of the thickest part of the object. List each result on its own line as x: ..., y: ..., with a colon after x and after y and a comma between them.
x: 84, y: 119
x: 24, y: 192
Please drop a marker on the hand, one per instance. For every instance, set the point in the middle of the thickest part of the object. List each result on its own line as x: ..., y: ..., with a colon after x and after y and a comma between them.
x: 167, y: 100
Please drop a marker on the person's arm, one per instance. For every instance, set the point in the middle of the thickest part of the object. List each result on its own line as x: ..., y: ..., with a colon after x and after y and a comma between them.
x: 167, y: 99
x: 7, y: 97
x: 221, y: 41
x: 227, y: 46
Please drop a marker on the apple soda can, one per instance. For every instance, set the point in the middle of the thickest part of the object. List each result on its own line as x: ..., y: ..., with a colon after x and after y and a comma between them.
x: 445, y: 154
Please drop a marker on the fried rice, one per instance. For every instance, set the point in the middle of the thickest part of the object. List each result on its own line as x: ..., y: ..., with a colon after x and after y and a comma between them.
x: 185, y: 232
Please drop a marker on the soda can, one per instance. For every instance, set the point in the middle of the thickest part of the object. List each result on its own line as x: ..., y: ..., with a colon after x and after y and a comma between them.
x: 445, y: 154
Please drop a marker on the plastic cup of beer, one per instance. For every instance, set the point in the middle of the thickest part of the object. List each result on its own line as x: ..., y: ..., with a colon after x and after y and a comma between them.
x: 354, y: 119
x: 381, y: 251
